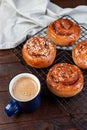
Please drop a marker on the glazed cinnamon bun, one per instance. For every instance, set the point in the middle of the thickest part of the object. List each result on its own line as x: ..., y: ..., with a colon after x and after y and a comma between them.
x: 63, y: 32
x: 65, y: 80
x: 38, y: 52
x: 79, y: 54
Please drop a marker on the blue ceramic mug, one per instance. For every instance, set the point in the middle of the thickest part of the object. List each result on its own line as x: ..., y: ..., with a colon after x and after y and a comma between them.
x: 24, y: 89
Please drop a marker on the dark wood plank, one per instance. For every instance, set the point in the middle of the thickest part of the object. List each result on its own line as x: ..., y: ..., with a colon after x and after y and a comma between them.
x: 7, y: 56
x: 52, y: 124
x: 7, y: 72
x: 69, y: 3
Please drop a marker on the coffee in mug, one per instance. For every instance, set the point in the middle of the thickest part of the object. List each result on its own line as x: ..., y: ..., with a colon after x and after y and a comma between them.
x: 24, y: 89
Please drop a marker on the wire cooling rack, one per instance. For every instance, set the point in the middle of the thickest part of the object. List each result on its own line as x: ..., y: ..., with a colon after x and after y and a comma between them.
x: 82, y: 36
x: 76, y: 105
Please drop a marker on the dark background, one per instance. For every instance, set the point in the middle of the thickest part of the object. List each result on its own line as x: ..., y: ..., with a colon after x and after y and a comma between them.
x: 69, y: 3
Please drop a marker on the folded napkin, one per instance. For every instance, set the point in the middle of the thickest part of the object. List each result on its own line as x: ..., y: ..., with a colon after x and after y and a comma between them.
x: 19, y: 18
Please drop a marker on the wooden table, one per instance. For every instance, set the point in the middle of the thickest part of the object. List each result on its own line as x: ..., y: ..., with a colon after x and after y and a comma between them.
x: 54, y: 113
x: 69, y: 3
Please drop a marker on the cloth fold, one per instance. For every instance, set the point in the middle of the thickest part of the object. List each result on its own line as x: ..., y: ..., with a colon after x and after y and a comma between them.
x: 19, y: 18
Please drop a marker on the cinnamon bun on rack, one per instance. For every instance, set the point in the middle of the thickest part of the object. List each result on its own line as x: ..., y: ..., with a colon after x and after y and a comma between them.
x: 63, y: 32
x: 79, y: 54
x: 65, y: 80
x: 38, y: 52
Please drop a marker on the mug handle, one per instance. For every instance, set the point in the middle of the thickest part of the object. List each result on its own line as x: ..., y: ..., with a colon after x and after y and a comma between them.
x: 12, y: 107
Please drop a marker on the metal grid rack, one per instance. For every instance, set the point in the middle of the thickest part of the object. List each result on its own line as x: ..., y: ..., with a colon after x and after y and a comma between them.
x: 76, y: 104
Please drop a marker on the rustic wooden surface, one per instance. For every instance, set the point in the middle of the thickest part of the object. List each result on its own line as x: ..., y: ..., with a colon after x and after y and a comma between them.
x: 69, y: 3
x: 52, y: 114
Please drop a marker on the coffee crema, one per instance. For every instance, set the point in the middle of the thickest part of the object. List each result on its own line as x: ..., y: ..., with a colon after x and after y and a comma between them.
x: 25, y: 89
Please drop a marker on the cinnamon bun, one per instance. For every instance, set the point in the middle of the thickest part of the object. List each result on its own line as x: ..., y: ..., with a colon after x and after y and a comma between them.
x: 79, y: 54
x: 63, y: 32
x: 38, y: 52
x: 65, y: 80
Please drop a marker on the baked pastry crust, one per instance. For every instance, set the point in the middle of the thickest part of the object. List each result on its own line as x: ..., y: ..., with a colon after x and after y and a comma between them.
x: 63, y: 32
x: 38, y: 52
x: 65, y: 80
x: 79, y: 54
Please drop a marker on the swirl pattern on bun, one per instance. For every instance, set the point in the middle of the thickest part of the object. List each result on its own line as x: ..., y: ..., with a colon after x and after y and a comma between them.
x: 79, y: 54
x: 38, y: 52
x: 65, y: 80
x: 63, y: 32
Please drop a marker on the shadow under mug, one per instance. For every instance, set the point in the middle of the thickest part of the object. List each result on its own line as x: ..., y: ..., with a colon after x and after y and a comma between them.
x: 15, y: 105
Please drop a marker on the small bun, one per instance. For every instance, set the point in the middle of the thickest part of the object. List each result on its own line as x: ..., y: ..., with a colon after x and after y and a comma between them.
x: 65, y: 80
x: 63, y: 32
x: 38, y: 52
x: 79, y: 54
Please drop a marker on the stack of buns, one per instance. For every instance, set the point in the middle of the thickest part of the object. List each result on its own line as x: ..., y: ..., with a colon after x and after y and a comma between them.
x: 63, y: 79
